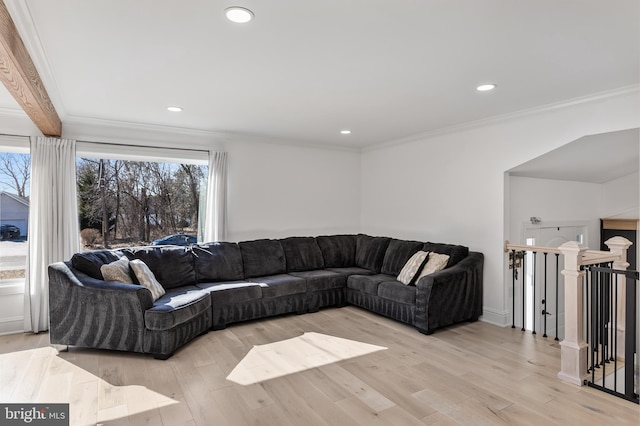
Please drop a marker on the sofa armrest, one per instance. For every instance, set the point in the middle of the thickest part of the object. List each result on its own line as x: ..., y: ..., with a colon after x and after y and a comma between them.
x: 450, y: 296
x: 87, y: 312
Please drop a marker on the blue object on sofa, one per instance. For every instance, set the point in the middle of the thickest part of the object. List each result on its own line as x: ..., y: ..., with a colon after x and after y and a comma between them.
x: 209, y: 286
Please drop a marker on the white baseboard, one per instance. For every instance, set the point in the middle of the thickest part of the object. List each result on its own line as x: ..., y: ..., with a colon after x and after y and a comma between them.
x: 494, y: 317
x: 11, y: 325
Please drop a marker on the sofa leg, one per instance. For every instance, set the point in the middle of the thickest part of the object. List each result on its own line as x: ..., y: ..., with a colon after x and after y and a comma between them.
x: 162, y: 357
x: 423, y: 331
x: 218, y: 327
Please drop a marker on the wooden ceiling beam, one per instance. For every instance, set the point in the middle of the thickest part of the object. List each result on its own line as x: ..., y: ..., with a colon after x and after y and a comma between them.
x: 20, y: 77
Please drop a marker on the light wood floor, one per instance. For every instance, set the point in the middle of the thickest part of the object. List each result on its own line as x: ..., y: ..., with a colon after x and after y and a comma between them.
x: 472, y: 374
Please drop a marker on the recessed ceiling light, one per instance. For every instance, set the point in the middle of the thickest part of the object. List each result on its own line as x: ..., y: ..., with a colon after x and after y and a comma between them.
x: 174, y: 108
x: 345, y: 132
x: 485, y: 87
x: 239, y: 15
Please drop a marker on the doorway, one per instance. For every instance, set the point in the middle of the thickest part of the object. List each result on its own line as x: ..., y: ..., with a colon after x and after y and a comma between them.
x: 544, y: 284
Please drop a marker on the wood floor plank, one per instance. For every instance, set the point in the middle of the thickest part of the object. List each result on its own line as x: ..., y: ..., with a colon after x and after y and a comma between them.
x: 472, y: 373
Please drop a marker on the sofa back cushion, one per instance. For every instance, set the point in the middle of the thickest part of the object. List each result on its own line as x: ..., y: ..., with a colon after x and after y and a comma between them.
x: 302, y: 254
x: 262, y: 258
x: 397, y: 254
x: 338, y: 251
x: 217, y: 262
x: 370, y: 251
x: 90, y: 262
x: 456, y: 252
x: 172, y: 266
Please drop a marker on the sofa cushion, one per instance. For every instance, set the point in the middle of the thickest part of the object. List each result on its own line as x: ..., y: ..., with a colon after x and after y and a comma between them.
x: 262, y: 258
x: 370, y: 251
x: 397, y: 254
x: 367, y: 283
x: 171, y: 265
x: 147, y: 279
x: 217, y: 262
x: 90, y: 262
x: 177, y: 306
x: 280, y: 285
x: 397, y: 292
x: 302, y: 254
x: 338, y: 251
x: 409, y: 273
x: 354, y: 270
x: 226, y: 292
x: 322, y: 279
x: 456, y: 252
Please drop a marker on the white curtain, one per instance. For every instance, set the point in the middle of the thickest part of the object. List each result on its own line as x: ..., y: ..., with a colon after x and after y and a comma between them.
x: 215, y: 225
x: 53, y: 222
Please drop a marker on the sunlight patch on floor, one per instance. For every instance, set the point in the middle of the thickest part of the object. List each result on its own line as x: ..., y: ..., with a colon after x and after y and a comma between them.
x: 41, y: 376
x: 310, y: 350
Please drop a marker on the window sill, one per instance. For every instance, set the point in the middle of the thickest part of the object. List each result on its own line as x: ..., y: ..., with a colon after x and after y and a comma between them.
x: 13, y: 286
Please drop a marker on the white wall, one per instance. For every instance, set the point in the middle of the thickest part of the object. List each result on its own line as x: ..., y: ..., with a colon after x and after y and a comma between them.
x: 620, y: 197
x: 554, y: 201
x: 283, y: 190
x: 451, y: 188
x: 11, y: 306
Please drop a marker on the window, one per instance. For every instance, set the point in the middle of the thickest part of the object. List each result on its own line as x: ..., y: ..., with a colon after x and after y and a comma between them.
x: 14, y: 212
x: 152, y: 197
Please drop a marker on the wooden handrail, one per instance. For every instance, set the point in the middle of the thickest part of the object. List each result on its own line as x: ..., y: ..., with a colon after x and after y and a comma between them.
x: 508, y: 247
x: 590, y: 257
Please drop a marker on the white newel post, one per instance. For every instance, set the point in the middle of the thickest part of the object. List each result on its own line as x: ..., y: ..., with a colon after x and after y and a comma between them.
x: 573, y: 365
x: 619, y: 246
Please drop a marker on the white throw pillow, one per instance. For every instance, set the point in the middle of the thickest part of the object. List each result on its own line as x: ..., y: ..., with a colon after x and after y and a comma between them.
x: 407, y: 275
x: 436, y: 262
x: 147, y: 279
x: 117, y: 271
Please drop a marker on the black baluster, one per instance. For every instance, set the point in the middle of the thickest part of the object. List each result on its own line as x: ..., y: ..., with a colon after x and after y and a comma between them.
x: 513, y: 289
x: 557, y: 285
x: 534, y: 275
x: 615, y: 333
x: 524, y: 281
x: 544, y: 301
x: 594, y: 319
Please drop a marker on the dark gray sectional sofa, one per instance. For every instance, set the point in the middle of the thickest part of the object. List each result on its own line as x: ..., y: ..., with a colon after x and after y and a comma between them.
x: 209, y: 286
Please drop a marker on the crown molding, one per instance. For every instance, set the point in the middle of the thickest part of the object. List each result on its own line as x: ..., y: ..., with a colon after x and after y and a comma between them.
x: 622, y: 91
x: 255, y: 138
x: 113, y: 131
x: 89, y: 129
x: 12, y: 112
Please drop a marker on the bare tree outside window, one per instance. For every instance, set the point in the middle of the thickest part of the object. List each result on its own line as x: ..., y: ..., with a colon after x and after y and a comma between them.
x: 15, y: 172
x: 133, y: 203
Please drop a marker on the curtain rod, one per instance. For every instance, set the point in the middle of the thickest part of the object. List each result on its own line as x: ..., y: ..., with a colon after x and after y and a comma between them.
x: 118, y: 144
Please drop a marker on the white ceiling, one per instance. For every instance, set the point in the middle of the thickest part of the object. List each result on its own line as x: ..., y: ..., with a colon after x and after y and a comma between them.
x: 594, y: 158
x: 305, y: 69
